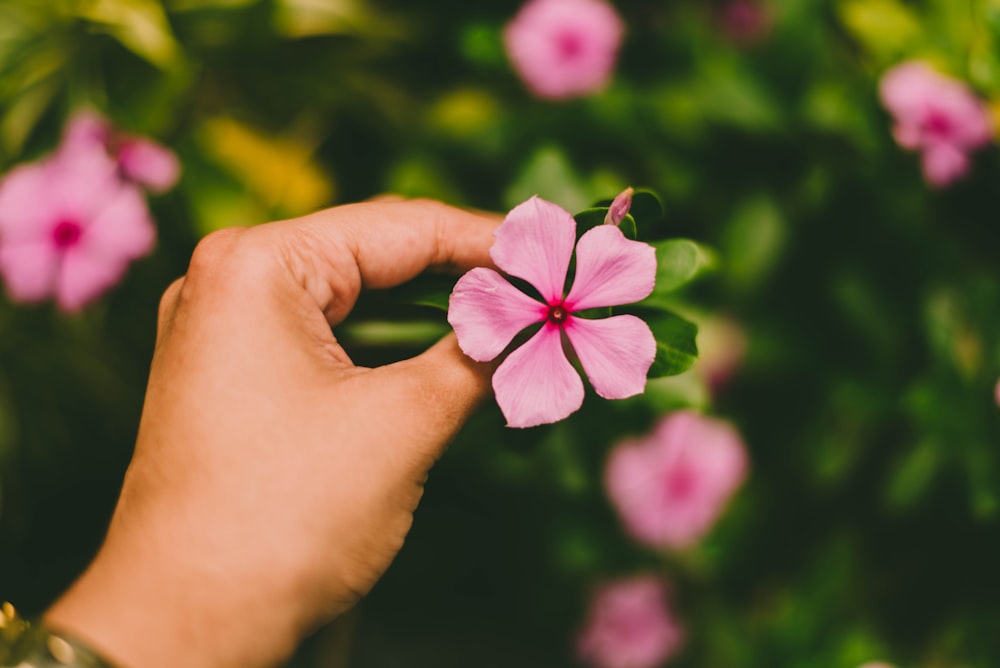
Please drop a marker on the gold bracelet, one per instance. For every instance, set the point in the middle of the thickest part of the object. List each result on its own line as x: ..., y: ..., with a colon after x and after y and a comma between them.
x: 27, y: 645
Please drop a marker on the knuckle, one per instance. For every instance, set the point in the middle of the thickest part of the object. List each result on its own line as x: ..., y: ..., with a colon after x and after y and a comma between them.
x: 213, y: 249
x: 169, y: 300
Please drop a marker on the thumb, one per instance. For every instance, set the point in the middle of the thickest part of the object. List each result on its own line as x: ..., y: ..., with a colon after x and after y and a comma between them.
x: 441, y: 387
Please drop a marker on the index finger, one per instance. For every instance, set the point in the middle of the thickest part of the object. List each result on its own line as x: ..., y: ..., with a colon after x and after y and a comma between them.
x: 335, y: 253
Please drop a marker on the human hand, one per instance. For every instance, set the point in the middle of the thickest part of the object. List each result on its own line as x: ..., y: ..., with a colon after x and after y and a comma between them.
x: 273, y: 481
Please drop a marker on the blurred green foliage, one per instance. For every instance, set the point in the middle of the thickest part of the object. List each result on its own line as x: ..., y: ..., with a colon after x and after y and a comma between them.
x: 870, y: 527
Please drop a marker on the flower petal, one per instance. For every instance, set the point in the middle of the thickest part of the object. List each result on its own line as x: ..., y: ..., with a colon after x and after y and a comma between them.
x: 943, y: 164
x: 486, y: 312
x: 122, y: 230
x: 83, y: 277
x: 611, y: 270
x: 149, y: 164
x: 535, y: 242
x: 536, y: 384
x: 615, y: 352
x: 29, y: 269
x: 26, y: 203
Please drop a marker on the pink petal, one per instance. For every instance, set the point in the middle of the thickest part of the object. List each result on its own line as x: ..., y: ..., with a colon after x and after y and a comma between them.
x: 83, y: 178
x: 486, y: 312
x: 536, y: 384
x: 906, y: 88
x: 29, y: 269
x: 26, y: 203
x: 944, y: 164
x: 611, y: 270
x: 615, y: 352
x: 83, y: 277
x: 88, y: 129
x: 123, y: 230
x: 149, y: 164
x: 535, y: 242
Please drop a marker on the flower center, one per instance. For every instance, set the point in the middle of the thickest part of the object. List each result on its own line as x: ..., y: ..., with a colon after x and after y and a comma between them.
x: 569, y: 45
x: 557, y: 314
x: 681, y: 484
x: 66, y: 233
x: 938, y: 124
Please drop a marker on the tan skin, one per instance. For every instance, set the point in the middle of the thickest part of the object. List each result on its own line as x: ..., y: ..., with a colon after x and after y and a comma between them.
x: 273, y: 481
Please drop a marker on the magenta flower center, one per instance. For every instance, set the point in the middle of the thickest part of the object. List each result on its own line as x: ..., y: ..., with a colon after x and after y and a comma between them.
x: 938, y: 124
x: 680, y: 484
x: 66, y: 233
x: 569, y: 45
x: 557, y: 314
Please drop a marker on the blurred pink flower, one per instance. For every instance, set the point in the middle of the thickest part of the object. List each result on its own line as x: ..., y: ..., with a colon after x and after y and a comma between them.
x: 629, y: 626
x: 564, y: 48
x: 140, y: 160
x: 996, y: 393
x: 671, y: 486
x: 745, y: 22
x: 70, y: 225
x: 937, y: 115
x: 876, y: 664
x: 536, y: 384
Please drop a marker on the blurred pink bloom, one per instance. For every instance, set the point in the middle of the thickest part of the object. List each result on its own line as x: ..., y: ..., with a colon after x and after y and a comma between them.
x: 619, y: 207
x: 536, y: 384
x: 937, y: 115
x: 876, y: 664
x: 996, y: 393
x: 671, y: 486
x: 745, y: 22
x: 564, y: 48
x: 70, y: 225
x: 140, y: 160
x: 629, y: 626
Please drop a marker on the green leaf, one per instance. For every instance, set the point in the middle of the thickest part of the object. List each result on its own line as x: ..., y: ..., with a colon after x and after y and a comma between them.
x: 676, y: 347
x: 141, y: 26
x: 549, y: 174
x: 427, y: 290
x: 678, y: 262
x: 884, y: 27
x: 913, y: 475
x: 646, y: 207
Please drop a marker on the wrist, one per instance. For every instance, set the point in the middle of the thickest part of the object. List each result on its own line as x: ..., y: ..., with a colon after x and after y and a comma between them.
x: 147, y: 610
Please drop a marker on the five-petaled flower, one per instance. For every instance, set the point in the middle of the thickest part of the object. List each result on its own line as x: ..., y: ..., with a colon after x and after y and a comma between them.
x: 564, y: 48
x: 671, y: 486
x: 536, y: 384
x: 71, y: 223
x: 630, y: 625
x: 937, y: 115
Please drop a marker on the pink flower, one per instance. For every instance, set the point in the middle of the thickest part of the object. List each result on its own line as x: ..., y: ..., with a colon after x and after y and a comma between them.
x: 937, y: 115
x: 70, y: 225
x: 564, y: 48
x: 671, y: 486
x: 140, y: 160
x: 745, y: 22
x: 536, y: 384
x: 629, y: 626
x: 996, y: 393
